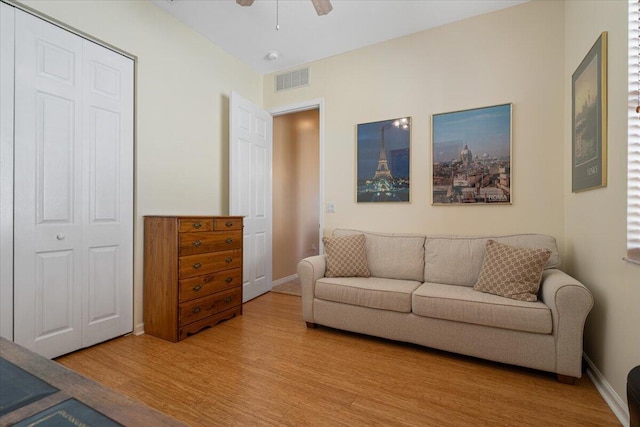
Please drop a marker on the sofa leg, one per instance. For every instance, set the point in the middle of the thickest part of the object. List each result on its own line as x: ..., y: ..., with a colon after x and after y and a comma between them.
x: 312, y: 325
x: 566, y: 379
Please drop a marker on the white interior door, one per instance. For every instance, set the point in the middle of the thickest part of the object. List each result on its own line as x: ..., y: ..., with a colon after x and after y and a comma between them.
x: 73, y: 190
x: 250, y: 146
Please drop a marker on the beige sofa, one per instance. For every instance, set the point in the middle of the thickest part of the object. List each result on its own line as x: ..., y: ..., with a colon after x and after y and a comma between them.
x: 421, y: 291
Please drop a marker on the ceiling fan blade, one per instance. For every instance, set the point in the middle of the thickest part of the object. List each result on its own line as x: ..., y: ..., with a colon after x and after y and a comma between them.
x: 322, y: 6
x: 244, y: 2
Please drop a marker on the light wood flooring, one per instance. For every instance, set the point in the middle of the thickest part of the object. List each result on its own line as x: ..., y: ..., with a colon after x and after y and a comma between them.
x: 266, y: 368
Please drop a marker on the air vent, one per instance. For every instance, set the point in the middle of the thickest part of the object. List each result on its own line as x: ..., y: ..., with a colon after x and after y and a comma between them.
x: 292, y: 79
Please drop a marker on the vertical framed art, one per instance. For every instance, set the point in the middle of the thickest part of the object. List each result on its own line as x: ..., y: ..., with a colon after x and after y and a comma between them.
x: 589, y: 120
x: 383, y: 161
x: 471, y: 153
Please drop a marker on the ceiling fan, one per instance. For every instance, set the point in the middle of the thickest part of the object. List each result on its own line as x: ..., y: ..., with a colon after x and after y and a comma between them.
x: 322, y: 6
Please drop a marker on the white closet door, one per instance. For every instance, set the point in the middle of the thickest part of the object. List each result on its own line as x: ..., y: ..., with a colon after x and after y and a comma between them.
x: 107, y: 273
x: 48, y: 187
x: 73, y: 191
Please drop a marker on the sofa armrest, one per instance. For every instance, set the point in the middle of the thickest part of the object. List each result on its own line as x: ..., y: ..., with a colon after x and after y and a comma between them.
x: 309, y: 270
x: 570, y: 303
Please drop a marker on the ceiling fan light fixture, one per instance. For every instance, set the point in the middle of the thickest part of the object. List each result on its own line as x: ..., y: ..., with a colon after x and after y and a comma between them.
x: 322, y: 6
x: 245, y: 2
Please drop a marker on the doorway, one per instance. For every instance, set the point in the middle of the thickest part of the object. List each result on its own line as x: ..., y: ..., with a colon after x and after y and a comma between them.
x: 296, y: 191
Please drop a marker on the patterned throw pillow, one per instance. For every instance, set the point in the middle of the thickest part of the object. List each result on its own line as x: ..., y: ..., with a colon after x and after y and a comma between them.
x: 512, y: 272
x: 346, y: 256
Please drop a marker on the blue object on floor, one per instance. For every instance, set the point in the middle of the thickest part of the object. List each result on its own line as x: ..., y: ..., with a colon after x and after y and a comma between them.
x: 19, y: 388
x: 633, y: 396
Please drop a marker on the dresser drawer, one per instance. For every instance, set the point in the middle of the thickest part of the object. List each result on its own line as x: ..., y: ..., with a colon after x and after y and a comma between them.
x: 200, y: 286
x: 227, y: 224
x: 209, y: 241
x: 196, y: 265
x: 195, y: 224
x: 200, y: 308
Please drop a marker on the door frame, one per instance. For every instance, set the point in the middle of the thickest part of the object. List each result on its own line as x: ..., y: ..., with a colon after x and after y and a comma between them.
x: 317, y: 103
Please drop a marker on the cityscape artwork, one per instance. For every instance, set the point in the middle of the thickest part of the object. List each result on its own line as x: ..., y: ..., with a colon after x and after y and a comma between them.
x: 471, y: 152
x: 383, y: 160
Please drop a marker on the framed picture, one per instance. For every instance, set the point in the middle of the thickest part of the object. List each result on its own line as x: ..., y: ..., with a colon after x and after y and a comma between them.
x: 471, y: 152
x: 383, y: 161
x: 589, y: 120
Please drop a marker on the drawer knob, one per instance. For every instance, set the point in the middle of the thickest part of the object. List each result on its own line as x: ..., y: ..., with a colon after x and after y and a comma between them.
x: 197, y: 243
x: 228, y: 300
x: 228, y: 223
x: 228, y: 260
x: 228, y: 279
x: 229, y: 240
x: 197, y: 288
x: 197, y: 225
x: 196, y: 310
x: 197, y: 265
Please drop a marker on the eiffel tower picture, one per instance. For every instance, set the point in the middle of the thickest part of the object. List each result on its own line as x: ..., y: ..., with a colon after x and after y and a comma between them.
x: 383, y: 161
x: 382, y: 171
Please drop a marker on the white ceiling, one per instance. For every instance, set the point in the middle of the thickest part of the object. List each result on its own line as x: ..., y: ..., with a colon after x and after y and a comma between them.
x: 249, y: 33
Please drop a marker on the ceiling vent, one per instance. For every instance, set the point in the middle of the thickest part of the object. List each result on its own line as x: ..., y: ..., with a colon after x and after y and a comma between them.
x: 292, y: 79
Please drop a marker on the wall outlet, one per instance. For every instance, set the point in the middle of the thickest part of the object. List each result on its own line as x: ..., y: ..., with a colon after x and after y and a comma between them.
x: 331, y: 207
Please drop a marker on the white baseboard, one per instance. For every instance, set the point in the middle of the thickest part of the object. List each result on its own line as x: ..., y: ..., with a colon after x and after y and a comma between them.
x: 284, y: 280
x: 138, y: 329
x: 617, y: 405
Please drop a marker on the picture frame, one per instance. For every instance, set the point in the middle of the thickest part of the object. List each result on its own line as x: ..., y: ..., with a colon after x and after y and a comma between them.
x: 383, y: 161
x: 471, y: 156
x: 589, y: 119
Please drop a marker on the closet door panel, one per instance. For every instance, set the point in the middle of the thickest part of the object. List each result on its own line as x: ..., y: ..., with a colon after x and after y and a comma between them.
x: 108, y: 213
x: 48, y: 186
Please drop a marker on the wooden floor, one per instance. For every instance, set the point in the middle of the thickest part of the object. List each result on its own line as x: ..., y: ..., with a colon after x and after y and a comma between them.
x: 266, y: 368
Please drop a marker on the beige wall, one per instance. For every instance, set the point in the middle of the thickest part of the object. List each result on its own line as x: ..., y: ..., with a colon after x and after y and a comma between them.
x: 183, y: 82
x: 595, y: 221
x: 295, y: 190
x: 514, y: 55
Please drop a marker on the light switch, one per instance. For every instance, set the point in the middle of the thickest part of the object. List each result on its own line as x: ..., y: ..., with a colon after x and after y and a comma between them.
x: 331, y: 207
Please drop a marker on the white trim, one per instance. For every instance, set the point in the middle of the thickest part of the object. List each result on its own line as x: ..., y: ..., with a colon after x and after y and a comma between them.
x: 633, y: 125
x: 7, y: 36
x: 138, y: 329
x: 607, y: 392
x: 284, y: 280
x: 304, y: 106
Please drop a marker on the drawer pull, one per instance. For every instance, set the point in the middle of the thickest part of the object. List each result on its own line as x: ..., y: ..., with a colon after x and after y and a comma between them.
x: 196, y: 310
x: 228, y: 260
x: 197, y: 288
x: 229, y: 240
x: 197, y: 265
x: 197, y: 243
x: 228, y: 223
x: 228, y: 300
x: 228, y: 279
x: 197, y: 225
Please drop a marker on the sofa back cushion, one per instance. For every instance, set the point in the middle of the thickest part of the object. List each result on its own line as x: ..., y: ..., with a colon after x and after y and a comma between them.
x: 392, y: 256
x: 457, y: 260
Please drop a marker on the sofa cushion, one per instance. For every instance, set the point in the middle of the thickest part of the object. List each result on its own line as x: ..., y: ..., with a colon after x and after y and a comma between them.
x: 512, y: 272
x: 394, y: 256
x: 346, y: 256
x: 372, y: 292
x: 457, y: 260
x: 463, y: 304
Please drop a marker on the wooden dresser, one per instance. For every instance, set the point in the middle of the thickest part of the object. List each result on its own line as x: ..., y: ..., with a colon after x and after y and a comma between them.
x: 192, y: 273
